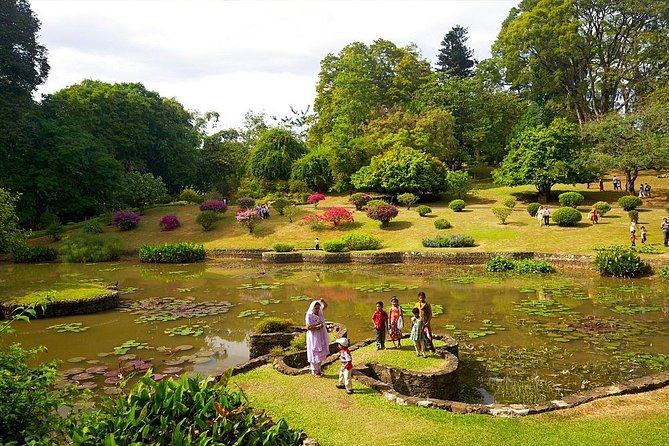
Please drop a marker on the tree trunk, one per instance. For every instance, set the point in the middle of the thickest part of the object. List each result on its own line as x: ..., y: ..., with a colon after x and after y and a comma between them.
x: 544, y: 191
x: 630, y: 178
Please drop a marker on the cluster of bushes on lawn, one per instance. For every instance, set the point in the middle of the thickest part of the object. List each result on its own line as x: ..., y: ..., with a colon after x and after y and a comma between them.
x: 449, y: 241
x: 503, y: 264
x: 172, y: 253
x: 381, y: 211
x: 283, y: 247
x: 566, y: 216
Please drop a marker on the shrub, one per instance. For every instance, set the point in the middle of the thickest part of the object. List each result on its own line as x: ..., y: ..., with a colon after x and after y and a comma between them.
x: 359, y: 200
x: 169, y: 222
x: 214, y: 205
x: 208, y: 219
x: 407, y: 200
x: 618, y: 261
x: 664, y: 272
x: 283, y: 247
x: 246, y: 202
x: 290, y: 212
x: 629, y: 202
x: 458, y: 183
x: 423, y: 210
x: 502, y: 213
x: 566, y: 216
x: 48, y: 219
x: 106, y: 218
x: 172, y: 253
x: 442, y: 223
x: 83, y: 248
x: 450, y: 241
x: 33, y: 254
x: 358, y: 241
x: 190, y: 195
x: 457, y: 205
x: 533, y: 208
x: 509, y: 202
x: 313, y: 221
x: 500, y: 265
x: 298, y: 343
x: 602, y: 207
x: 315, y: 199
x: 274, y: 325
x: 92, y: 226
x: 532, y: 266
x: 337, y: 216
x: 383, y: 213
x: 213, y: 195
x: 248, y: 218
x: 375, y: 202
x: 54, y: 231
x: 570, y: 199
x: 334, y: 246
x: 125, y: 220
x: 280, y: 204
x: 197, y: 411
x: 633, y: 215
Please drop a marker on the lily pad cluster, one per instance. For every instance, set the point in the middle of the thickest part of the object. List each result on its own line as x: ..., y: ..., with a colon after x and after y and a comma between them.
x: 269, y: 301
x: 487, y: 328
x: 260, y: 286
x: 159, y: 309
x: 256, y: 314
x: 541, y: 307
x: 187, y: 330
x: 129, y: 345
x: 300, y: 297
x: 74, y: 327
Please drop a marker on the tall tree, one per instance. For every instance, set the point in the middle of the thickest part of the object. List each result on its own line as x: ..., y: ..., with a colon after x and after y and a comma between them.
x: 455, y: 58
x: 590, y: 57
x: 10, y: 234
x: 274, y: 153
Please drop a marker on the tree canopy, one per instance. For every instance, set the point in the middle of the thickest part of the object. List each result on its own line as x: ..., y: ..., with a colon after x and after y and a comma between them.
x: 274, y: 153
x: 455, y: 58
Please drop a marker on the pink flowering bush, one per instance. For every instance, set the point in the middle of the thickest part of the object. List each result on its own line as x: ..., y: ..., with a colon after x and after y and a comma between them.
x: 169, y: 222
x: 382, y: 212
x: 125, y: 220
x: 337, y: 216
x: 313, y: 221
x: 315, y: 199
x: 214, y: 205
x: 248, y: 218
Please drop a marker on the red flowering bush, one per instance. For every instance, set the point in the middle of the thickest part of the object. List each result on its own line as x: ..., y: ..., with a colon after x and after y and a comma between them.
x: 315, y: 199
x: 214, y: 205
x: 337, y: 216
x: 125, y: 220
x: 382, y: 212
x: 248, y: 218
x: 313, y: 221
x: 169, y: 222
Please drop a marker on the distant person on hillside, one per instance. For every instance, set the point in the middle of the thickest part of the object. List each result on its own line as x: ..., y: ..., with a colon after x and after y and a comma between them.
x: 643, y: 235
x: 665, y: 231
x: 642, y: 190
x: 615, y: 182
x: 547, y: 216
x: 540, y: 215
x: 647, y: 190
x: 317, y: 244
x: 601, y: 185
x: 633, y: 226
x: 593, y: 215
x: 633, y: 240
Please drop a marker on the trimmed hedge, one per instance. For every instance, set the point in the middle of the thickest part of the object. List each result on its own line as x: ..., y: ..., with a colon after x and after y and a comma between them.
x: 602, y: 207
x: 533, y: 208
x: 34, y: 254
x: 450, y: 241
x: 358, y: 241
x: 423, y: 210
x: 172, y: 253
x: 499, y: 265
x: 457, y: 205
x: 527, y: 266
x: 442, y: 223
x: 570, y: 199
x: 334, y: 246
x: 83, y: 248
x: 629, y: 202
x: 283, y: 247
x: 566, y: 216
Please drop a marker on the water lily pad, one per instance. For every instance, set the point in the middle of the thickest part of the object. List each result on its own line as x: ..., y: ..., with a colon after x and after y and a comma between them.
x: 82, y: 376
x: 301, y: 297
x: 88, y: 385
x: 172, y: 362
x: 72, y: 371
x: 104, y: 354
x: 173, y: 370
x: 97, y: 369
x: 112, y: 390
x: 129, y: 357
x: 187, y: 330
x: 76, y: 359
x: 74, y: 327
x: 200, y: 360
x: 205, y: 353
x: 183, y: 348
x: 157, y: 376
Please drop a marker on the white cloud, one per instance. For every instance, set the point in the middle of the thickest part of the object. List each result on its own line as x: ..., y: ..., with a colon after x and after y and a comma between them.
x: 231, y: 56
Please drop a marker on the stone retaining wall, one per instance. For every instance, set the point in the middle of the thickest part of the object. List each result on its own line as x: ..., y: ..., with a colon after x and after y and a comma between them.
x: 71, y: 307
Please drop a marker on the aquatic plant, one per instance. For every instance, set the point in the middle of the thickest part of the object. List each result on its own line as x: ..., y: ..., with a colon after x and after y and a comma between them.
x: 618, y: 261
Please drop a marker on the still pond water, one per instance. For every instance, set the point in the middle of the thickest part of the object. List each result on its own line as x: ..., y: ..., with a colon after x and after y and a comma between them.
x: 522, y: 338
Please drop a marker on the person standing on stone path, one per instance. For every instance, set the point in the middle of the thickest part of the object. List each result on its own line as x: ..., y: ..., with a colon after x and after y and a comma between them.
x: 425, y: 310
x: 346, y: 365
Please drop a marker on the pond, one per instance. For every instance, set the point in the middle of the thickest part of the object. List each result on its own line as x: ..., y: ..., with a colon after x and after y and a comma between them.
x: 522, y: 338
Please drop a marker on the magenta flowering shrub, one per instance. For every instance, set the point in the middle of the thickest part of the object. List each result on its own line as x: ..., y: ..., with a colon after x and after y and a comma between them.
x: 125, y: 220
x: 169, y: 222
x: 383, y: 212
x: 359, y: 200
x: 248, y: 218
x: 214, y: 205
x: 315, y: 199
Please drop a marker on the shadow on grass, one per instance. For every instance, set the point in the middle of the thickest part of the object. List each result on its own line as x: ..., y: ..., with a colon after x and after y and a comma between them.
x: 516, y: 223
x: 475, y: 199
x: 350, y: 226
x: 262, y: 231
x: 398, y: 225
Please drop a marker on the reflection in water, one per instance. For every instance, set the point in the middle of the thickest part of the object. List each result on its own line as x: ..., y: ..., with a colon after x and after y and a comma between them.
x: 518, y: 335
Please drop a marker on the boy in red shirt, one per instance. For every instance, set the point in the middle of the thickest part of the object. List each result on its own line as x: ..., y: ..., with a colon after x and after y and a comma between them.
x: 346, y: 366
x: 380, y: 320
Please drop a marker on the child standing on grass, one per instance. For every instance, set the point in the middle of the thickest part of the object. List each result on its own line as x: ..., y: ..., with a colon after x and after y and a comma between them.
x: 380, y: 321
x: 633, y: 239
x: 396, y: 322
x: 643, y: 235
x: 417, y: 333
x: 346, y: 366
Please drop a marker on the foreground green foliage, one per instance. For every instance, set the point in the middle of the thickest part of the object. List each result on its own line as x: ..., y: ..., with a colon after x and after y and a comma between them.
x: 172, y: 253
x: 526, y: 266
x: 83, y: 248
x: 449, y: 241
x: 618, y: 261
x: 11, y: 236
x: 185, y: 412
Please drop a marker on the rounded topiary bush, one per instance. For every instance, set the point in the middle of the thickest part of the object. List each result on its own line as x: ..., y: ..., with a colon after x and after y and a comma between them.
x: 570, y: 199
x: 633, y: 215
x: 618, y: 261
x: 457, y: 205
x: 169, y: 222
x: 125, y: 220
x: 274, y: 325
x: 358, y: 241
x: 190, y: 195
x: 423, y: 210
x: 602, y: 207
x: 533, y: 208
x: 283, y: 247
x: 509, y: 202
x: 334, y: 246
x: 499, y: 265
x: 566, y: 216
x: 629, y: 202
x: 382, y: 212
x: 442, y: 223
x: 450, y: 241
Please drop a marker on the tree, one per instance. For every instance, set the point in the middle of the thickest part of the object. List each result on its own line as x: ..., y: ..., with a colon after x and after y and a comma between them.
x: 455, y: 58
x: 274, y: 153
x: 221, y: 161
x: 141, y: 190
x: 543, y: 156
x: 314, y: 169
x: 590, y: 57
x: 402, y: 169
x: 10, y: 234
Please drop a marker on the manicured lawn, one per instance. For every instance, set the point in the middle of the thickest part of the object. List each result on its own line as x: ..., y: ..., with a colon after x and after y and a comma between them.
x: 404, y: 358
x: 334, y: 418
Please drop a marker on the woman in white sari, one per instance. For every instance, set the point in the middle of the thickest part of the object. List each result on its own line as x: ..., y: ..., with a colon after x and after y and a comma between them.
x: 318, y: 345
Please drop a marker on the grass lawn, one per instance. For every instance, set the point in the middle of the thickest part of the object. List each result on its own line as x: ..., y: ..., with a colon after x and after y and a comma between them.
x: 405, y: 233
x: 334, y: 418
x: 61, y: 294
x: 404, y: 358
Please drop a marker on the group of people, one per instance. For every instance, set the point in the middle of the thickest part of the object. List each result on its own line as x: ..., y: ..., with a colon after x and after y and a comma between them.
x: 644, y: 190
x: 390, y: 323
x: 263, y: 211
x: 642, y: 233
x: 617, y: 184
x: 543, y: 215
